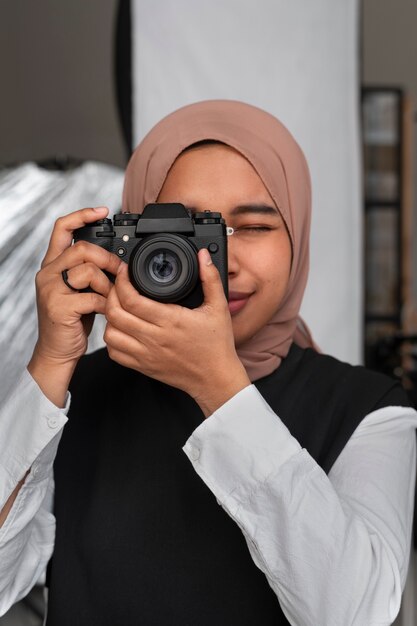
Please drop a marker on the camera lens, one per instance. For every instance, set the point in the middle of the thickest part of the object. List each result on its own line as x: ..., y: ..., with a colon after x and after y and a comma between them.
x: 164, y: 266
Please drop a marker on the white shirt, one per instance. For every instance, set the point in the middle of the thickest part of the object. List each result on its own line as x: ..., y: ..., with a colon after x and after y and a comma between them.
x: 334, y: 548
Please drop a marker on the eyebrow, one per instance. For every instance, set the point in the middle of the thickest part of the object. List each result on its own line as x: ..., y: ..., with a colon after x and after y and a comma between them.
x: 263, y: 209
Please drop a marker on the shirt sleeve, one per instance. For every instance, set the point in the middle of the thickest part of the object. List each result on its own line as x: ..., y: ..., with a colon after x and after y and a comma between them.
x: 334, y: 548
x: 30, y: 430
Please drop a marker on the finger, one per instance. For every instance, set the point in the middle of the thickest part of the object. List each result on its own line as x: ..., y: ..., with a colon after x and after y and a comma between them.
x: 84, y: 303
x: 118, y: 340
x: 123, y: 349
x: 122, y: 358
x: 62, y: 233
x: 85, y: 252
x: 210, y: 279
x: 89, y: 275
x: 125, y: 321
x: 128, y: 352
x: 132, y: 301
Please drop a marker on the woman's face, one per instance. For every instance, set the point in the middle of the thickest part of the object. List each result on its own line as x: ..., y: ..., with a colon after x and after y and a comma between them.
x: 218, y: 178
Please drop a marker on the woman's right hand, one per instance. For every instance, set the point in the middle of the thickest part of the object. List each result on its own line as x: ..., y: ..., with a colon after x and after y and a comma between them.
x: 65, y: 316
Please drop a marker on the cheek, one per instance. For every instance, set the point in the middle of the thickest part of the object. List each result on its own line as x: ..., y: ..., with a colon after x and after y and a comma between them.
x: 273, y: 264
x: 271, y: 295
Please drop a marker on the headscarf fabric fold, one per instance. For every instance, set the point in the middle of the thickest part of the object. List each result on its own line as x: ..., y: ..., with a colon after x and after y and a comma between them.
x: 278, y: 160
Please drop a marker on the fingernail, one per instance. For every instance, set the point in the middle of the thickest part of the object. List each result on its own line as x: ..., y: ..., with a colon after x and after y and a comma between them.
x: 206, y: 257
x: 100, y: 209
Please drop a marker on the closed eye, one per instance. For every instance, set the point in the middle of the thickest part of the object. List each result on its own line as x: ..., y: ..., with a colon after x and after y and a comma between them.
x: 254, y: 228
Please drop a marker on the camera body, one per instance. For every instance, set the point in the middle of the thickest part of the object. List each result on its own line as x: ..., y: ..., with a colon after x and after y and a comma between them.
x: 160, y: 247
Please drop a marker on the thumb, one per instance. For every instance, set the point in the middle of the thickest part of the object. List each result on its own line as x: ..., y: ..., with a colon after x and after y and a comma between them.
x: 210, y: 278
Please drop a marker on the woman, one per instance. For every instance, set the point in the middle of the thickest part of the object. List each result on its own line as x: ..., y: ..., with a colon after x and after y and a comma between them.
x: 313, y: 464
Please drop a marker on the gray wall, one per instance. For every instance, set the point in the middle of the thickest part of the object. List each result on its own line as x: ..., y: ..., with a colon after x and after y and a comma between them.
x: 390, y: 43
x: 56, y: 81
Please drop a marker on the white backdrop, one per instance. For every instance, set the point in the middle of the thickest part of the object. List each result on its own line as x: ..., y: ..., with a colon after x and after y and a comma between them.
x: 297, y: 59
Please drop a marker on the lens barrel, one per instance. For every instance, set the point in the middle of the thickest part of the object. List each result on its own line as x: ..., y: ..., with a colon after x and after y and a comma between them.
x: 164, y: 267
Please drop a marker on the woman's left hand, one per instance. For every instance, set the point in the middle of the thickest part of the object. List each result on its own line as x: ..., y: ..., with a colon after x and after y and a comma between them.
x: 191, y: 349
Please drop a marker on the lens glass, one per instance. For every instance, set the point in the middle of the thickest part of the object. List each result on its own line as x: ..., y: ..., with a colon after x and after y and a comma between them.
x: 164, y: 266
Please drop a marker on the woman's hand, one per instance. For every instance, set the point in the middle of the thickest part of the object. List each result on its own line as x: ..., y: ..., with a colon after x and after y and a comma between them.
x: 65, y: 316
x: 191, y: 349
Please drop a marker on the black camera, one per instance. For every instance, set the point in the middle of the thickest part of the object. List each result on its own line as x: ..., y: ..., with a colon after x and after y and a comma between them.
x: 160, y: 246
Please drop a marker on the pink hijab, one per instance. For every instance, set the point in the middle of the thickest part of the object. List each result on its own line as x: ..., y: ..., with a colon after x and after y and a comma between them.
x: 281, y: 165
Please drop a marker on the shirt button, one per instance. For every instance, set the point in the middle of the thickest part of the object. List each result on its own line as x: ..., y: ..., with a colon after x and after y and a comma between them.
x: 194, y: 454
x: 52, y: 421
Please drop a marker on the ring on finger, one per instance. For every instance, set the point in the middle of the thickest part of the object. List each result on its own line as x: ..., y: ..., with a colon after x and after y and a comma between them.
x: 64, y: 275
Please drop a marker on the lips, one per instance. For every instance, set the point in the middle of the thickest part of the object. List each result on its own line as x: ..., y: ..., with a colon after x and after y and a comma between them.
x: 237, y: 301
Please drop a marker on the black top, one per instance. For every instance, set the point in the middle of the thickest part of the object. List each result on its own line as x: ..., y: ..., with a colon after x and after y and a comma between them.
x: 140, y: 538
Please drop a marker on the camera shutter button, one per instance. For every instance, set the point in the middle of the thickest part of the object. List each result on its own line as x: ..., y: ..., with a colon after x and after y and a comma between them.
x: 213, y: 247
